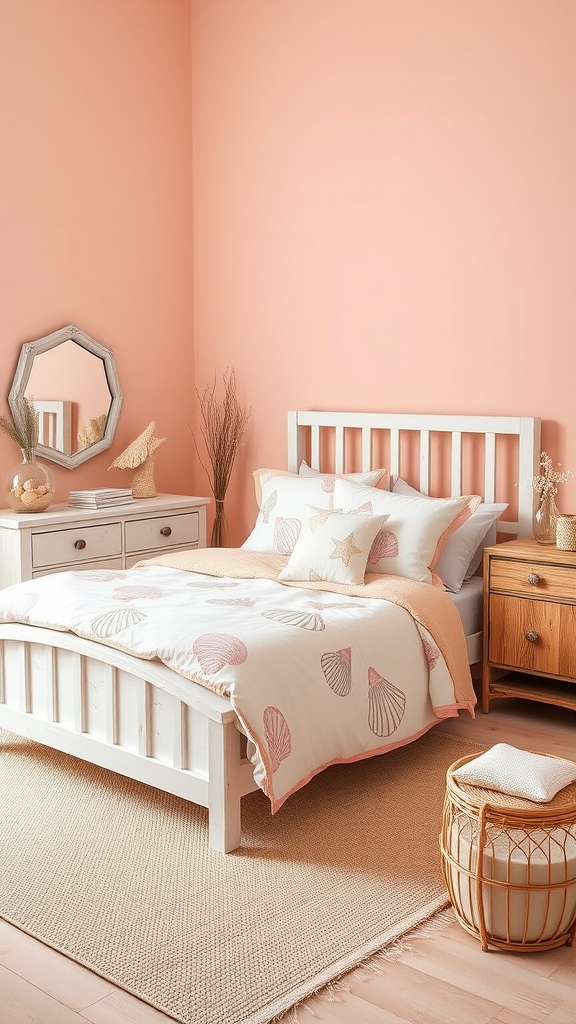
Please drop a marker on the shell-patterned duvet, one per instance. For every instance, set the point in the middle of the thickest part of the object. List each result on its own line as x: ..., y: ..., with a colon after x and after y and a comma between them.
x: 316, y: 673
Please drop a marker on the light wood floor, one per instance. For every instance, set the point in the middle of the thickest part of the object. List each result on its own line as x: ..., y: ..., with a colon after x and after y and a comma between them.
x: 441, y: 979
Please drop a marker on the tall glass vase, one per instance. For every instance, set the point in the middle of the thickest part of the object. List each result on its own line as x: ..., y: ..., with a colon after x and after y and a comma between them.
x: 545, y: 519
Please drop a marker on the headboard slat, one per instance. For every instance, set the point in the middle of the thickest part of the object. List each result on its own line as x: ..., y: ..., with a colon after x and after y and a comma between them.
x: 456, y: 463
x: 424, y: 472
x: 490, y: 468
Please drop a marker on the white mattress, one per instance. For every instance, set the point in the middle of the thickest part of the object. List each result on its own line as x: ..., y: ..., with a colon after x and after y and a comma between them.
x: 468, y: 601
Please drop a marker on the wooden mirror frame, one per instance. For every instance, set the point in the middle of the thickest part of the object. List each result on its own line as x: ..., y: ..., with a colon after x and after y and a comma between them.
x: 29, y: 352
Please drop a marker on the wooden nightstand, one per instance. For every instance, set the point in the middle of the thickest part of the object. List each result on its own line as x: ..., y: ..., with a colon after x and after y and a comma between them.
x: 529, y: 623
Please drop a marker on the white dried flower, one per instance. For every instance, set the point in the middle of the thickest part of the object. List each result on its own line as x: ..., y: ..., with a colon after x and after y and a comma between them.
x: 546, y: 484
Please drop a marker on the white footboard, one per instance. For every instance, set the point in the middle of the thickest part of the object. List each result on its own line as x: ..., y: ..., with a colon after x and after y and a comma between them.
x: 134, y: 717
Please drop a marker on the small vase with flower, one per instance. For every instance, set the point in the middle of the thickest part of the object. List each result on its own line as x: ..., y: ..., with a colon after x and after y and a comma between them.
x: 546, y: 486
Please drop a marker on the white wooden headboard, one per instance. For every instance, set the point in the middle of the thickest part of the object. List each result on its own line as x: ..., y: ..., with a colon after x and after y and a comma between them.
x: 512, y: 472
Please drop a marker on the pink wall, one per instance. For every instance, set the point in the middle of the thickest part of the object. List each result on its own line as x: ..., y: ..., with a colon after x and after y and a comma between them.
x: 385, y: 211
x: 96, y: 207
x: 377, y: 196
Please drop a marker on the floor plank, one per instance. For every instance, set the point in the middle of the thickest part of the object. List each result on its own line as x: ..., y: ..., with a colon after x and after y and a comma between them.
x: 121, y: 1008
x: 56, y: 975
x: 23, y: 1003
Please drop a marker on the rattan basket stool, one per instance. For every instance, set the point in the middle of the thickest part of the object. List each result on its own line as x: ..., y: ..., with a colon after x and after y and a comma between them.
x: 519, y: 893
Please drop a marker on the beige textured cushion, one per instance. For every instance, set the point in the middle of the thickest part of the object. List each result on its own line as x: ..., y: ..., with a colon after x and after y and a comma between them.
x: 518, y: 772
x: 333, y: 546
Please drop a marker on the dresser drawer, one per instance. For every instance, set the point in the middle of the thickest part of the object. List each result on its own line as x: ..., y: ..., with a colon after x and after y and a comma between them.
x: 556, y: 582
x: 61, y: 548
x: 157, y: 532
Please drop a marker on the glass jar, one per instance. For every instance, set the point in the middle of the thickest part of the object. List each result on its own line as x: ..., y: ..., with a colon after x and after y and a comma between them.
x: 545, y: 519
x: 30, y: 486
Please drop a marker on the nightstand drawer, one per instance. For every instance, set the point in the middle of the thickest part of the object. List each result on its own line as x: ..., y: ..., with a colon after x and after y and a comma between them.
x: 158, y: 532
x: 556, y: 582
x: 80, y: 544
x: 533, y: 636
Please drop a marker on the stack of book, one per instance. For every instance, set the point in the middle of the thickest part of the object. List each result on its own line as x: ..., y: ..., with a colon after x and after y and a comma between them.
x: 100, y: 497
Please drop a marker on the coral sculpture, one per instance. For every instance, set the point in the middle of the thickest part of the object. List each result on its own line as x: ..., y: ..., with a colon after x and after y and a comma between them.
x: 91, y: 431
x: 141, y: 456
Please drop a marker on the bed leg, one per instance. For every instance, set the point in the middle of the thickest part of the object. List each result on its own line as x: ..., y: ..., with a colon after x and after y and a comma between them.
x: 224, y: 787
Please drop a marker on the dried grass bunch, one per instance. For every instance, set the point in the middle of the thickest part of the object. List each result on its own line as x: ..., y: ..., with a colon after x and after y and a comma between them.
x: 223, y: 425
x: 24, y: 433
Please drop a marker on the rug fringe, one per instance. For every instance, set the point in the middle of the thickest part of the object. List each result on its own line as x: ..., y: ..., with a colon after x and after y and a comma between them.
x: 390, y: 953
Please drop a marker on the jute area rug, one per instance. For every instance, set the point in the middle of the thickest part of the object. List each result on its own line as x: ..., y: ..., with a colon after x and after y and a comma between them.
x: 119, y: 877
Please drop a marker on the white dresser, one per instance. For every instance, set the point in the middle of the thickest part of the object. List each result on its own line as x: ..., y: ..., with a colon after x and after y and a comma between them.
x: 35, y: 544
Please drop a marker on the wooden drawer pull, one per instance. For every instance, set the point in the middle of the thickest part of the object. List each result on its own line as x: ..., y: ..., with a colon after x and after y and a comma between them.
x: 166, y: 531
x: 531, y: 636
x: 533, y: 578
x: 80, y: 544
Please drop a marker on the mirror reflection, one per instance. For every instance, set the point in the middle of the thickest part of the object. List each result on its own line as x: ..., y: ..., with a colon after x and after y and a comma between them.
x: 71, y: 374
x: 72, y: 380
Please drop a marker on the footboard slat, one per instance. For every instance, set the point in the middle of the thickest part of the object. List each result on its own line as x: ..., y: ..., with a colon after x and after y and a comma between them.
x: 111, y: 702
x: 79, y: 695
x: 143, y: 696
x: 51, y: 685
x: 25, y: 680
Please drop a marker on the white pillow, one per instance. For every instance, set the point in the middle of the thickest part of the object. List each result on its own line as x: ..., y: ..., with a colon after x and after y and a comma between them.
x: 463, y: 550
x: 518, y: 772
x: 333, y: 546
x: 282, y: 500
x: 416, y: 531
x: 371, y: 477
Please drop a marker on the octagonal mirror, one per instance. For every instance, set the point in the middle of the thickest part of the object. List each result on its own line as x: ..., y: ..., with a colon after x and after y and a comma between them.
x: 72, y: 380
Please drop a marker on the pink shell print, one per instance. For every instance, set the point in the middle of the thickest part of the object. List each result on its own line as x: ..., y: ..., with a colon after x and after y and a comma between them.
x: 384, y: 545
x: 305, y: 620
x: 242, y: 602
x: 215, y: 650
x: 327, y: 484
x: 19, y: 607
x: 268, y: 507
x: 277, y: 735
x: 129, y: 593
x: 113, y: 622
x: 386, y: 704
x: 432, y: 653
x: 286, y: 533
x: 337, y: 669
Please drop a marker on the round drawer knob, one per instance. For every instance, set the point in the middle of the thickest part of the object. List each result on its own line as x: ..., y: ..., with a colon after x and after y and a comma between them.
x: 533, y: 578
x: 531, y: 636
x: 80, y: 544
x: 166, y: 531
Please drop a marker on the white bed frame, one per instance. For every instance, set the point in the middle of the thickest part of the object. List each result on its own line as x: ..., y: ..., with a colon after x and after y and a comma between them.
x: 141, y: 719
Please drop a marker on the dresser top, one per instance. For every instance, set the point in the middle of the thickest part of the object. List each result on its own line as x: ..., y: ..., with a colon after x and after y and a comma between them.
x: 56, y: 515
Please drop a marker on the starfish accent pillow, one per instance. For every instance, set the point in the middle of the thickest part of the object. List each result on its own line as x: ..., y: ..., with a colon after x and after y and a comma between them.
x: 333, y: 546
